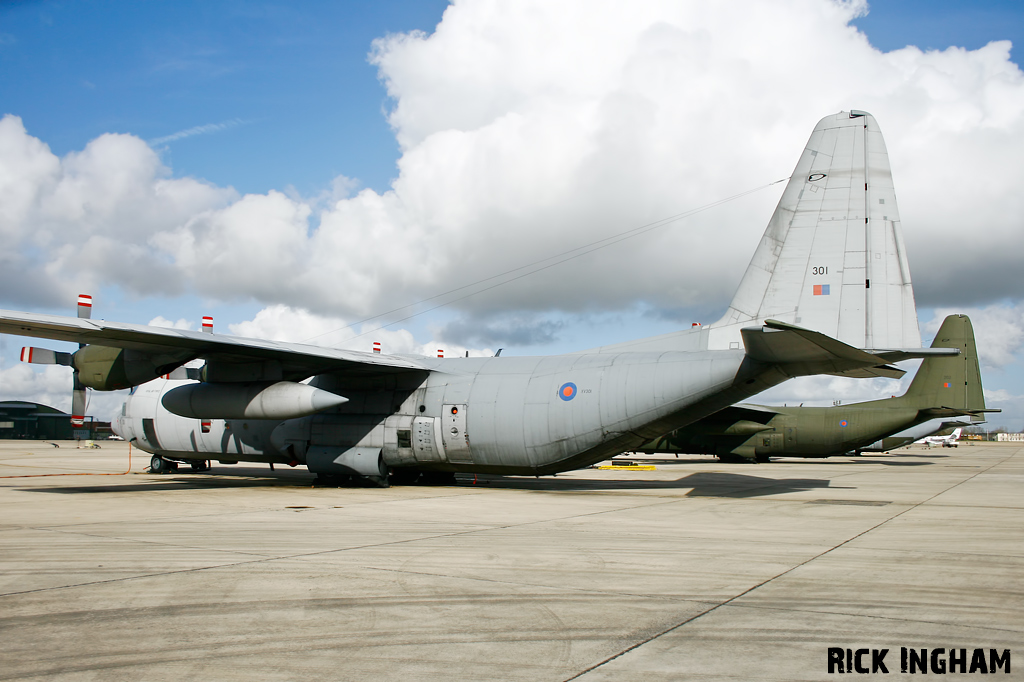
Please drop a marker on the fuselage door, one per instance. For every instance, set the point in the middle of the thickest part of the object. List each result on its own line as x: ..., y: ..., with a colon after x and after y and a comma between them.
x: 453, y: 431
x: 424, y: 440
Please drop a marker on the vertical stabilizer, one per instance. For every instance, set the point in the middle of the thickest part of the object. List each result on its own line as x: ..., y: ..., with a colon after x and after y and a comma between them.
x: 832, y: 258
x: 955, y: 381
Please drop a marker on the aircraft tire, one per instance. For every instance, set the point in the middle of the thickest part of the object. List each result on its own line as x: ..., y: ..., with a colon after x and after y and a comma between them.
x: 159, y: 465
x: 200, y: 465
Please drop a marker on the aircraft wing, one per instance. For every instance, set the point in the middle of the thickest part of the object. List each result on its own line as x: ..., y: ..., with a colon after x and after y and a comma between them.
x: 220, y: 347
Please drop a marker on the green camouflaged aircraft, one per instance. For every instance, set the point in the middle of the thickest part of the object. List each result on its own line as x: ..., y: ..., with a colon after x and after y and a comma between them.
x: 943, y: 387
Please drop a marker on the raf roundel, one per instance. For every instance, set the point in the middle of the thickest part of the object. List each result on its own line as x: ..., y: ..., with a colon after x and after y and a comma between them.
x: 844, y: 424
x: 567, y: 391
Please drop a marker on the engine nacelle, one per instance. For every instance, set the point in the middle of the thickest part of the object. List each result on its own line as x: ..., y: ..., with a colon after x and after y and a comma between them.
x: 356, y: 461
x: 109, y: 369
x: 281, y: 400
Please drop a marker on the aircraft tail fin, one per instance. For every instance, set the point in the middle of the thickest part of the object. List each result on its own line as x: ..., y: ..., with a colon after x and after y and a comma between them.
x: 951, y: 384
x: 832, y: 258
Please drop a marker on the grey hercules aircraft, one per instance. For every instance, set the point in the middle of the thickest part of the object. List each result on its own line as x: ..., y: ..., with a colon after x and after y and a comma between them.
x: 828, y: 291
x: 943, y: 387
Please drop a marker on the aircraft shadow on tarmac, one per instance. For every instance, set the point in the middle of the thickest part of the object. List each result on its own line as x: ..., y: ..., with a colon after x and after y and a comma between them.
x: 232, y: 478
x: 702, y: 484
x: 892, y: 464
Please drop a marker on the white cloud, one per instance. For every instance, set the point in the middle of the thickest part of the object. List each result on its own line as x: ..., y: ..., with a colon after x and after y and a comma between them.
x: 161, y: 321
x: 71, y: 224
x: 283, y: 323
x: 530, y: 128
x: 1001, y: 395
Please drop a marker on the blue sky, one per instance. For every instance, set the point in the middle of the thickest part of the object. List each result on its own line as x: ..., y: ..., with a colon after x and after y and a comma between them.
x: 288, y: 84
x: 268, y: 97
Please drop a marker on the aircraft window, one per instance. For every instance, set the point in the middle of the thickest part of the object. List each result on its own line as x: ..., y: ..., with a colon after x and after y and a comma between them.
x: 404, y: 438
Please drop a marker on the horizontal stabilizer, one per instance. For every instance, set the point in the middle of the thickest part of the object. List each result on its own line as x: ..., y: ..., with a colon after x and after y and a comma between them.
x: 944, y: 411
x: 799, y: 352
x: 43, y: 356
x: 901, y: 354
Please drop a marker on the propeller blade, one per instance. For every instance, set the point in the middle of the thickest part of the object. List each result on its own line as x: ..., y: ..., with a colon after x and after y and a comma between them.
x: 78, y: 403
x: 44, y: 356
x: 78, y: 397
x: 84, y: 306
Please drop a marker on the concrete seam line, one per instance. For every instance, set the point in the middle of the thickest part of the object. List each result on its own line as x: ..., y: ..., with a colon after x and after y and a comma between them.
x: 787, y: 571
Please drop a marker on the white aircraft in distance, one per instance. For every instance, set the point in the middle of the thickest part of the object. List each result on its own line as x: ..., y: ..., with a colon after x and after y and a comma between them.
x: 949, y: 441
x: 916, y: 433
x: 827, y: 292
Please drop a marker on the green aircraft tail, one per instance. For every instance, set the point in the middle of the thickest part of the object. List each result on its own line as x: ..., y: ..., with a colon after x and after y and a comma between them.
x: 950, y: 382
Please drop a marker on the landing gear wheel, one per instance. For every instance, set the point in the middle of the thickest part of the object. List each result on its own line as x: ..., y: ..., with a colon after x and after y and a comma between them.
x: 159, y: 465
x: 200, y: 465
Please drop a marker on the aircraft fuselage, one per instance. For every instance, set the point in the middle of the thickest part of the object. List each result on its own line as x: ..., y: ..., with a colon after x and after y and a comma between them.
x: 791, y: 432
x: 513, y: 415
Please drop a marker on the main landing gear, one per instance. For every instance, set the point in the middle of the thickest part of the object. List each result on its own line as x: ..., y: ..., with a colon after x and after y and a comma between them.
x: 162, y: 465
x: 159, y: 465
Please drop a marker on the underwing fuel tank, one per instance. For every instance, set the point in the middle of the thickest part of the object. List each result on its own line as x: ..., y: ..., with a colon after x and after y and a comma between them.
x: 281, y: 400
